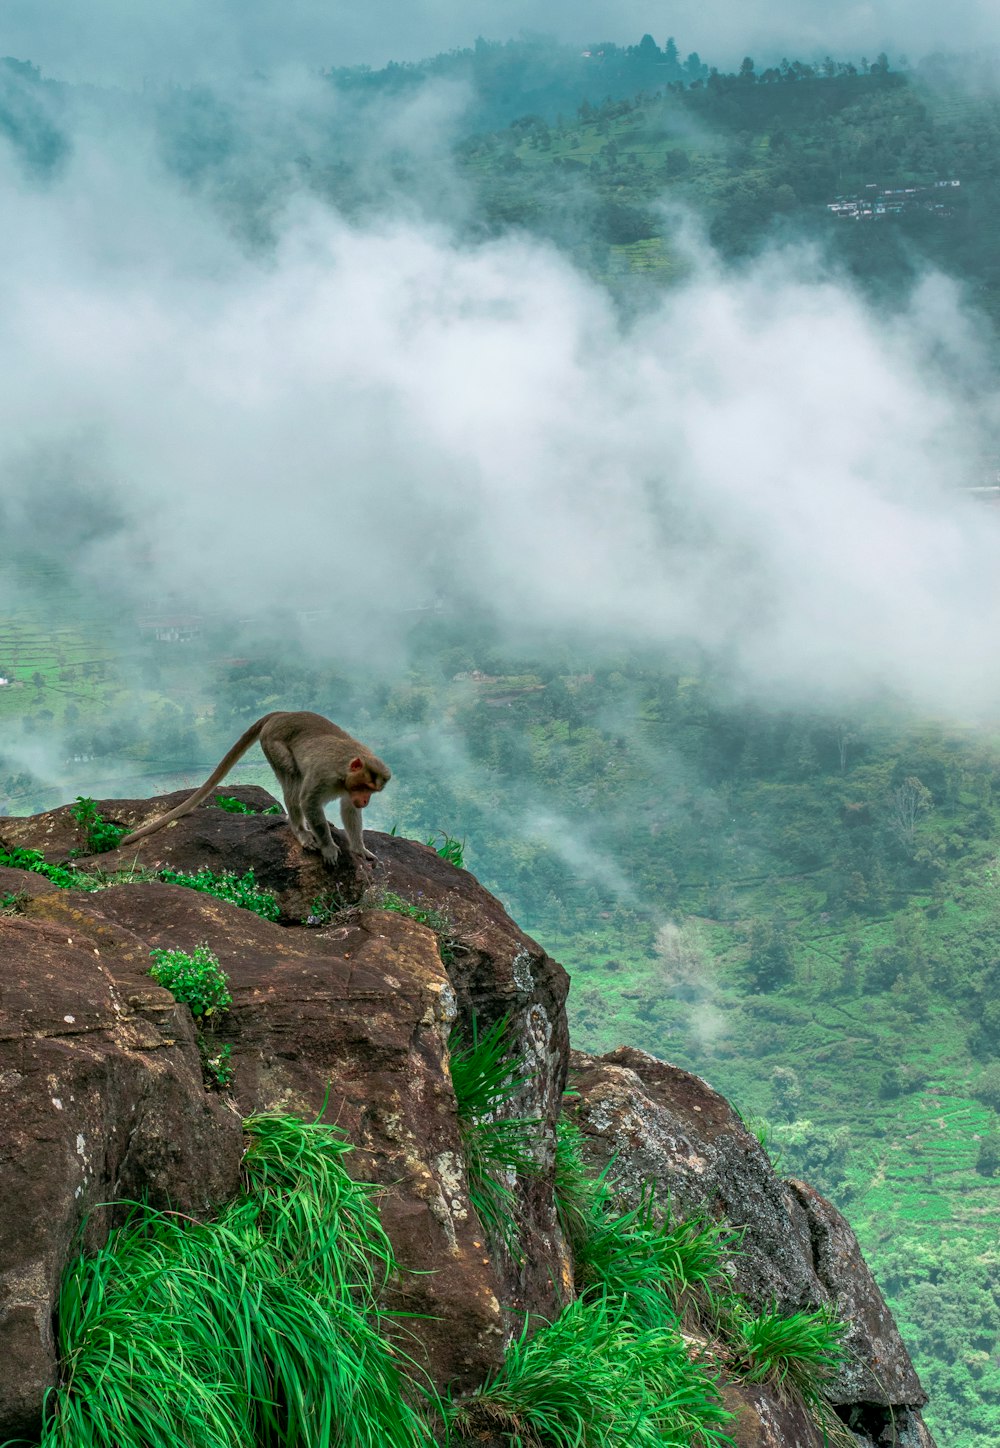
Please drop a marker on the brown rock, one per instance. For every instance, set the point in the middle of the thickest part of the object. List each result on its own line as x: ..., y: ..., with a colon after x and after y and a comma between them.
x: 352, y: 1020
x: 663, y: 1125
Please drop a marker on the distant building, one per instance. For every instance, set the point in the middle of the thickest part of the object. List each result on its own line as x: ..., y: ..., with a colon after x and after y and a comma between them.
x: 879, y: 201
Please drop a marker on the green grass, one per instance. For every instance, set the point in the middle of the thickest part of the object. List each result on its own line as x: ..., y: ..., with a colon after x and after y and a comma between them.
x: 448, y: 848
x: 435, y: 920
x: 594, y: 1379
x: 498, y: 1149
x: 795, y: 1353
x: 661, y: 1270
x: 259, y: 1330
x: 232, y: 805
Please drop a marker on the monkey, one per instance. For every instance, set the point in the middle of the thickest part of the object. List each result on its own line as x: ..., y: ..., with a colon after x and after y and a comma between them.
x: 314, y: 761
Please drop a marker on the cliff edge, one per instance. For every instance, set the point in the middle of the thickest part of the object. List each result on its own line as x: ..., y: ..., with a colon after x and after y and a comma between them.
x: 342, y: 1009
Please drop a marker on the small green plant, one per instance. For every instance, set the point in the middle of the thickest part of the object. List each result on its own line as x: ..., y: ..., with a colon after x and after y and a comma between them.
x: 497, y: 1149
x: 796, y: 1353
x: 216, y: 1065
x: 99, y: 834
x: 64, y: 876
x: 243, y: 890
x: 448, y: 848
x: 197, y: 980
x: 232, y: 805
x: 13, y: 902
x: 593, y: 1377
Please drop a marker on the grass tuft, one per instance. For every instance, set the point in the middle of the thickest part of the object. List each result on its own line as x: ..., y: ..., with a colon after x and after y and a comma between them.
x: 595, y: 1379
x: 795, y: 1353
x: 497, y: 1148
x: 661, y: 1270
x: 99, y: 834
x: 258, y: 1330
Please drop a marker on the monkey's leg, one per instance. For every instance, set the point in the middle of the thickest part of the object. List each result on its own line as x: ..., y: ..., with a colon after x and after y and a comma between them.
x: 282, y: 761
x: 351, y: 817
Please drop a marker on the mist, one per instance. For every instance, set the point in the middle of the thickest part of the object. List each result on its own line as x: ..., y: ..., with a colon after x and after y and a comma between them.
x: 357, y: 415
x: 113, y: 42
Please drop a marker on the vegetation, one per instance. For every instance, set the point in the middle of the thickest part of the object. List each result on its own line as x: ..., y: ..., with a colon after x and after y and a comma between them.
x: 241, y: 890
x: 232, y: 805
x: 498, y: 1149
x: 594, y: 1379
x: 796, y: 1354
x: 260, y: 1328
x: 448, y: 848
x: 196, y: 980
x: 99, y: 834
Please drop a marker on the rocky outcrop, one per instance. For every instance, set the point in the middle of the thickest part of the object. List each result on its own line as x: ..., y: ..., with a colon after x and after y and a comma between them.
x: 102, y: 1098
x: 660, y: 1124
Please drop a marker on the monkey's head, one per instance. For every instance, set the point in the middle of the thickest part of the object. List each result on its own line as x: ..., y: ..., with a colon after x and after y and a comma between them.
x: 365, y: 777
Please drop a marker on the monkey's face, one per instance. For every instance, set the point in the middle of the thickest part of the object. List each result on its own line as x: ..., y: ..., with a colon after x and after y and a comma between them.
x: 362, y: 782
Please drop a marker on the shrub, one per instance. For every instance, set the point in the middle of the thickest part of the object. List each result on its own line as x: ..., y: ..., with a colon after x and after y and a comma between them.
x: 232, y: 805
x: 99, y: 834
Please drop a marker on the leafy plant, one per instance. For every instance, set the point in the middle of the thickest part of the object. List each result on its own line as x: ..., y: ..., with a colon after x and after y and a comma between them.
x: 449, y: 848
x: 225, y: 885
x: 99, y: 834
x: 13, y: 902
x: 497, y: 1148
x: 197, y: 980
x: 216, y: 1065
x: 260, y: 1328
x: 594, y: 1379
x: 232, y: 805
x: 63, y: 875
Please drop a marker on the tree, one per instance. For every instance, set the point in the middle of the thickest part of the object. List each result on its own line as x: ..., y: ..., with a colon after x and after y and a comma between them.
x: 747, y: 71
x: 906, y: 803
x: 770, y: 962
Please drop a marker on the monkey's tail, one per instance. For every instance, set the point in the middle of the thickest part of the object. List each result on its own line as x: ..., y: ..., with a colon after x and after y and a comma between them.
x: 193, y: 800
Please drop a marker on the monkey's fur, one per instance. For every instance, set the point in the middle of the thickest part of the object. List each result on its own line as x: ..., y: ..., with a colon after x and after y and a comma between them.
x: 315, y: 761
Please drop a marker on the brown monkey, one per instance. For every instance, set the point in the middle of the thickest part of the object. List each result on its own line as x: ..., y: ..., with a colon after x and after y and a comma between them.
x: 314, y: 761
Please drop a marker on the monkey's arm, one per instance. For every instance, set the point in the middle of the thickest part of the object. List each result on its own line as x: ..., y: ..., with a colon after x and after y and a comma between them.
x: 218, y: 773
x: 351, y: 818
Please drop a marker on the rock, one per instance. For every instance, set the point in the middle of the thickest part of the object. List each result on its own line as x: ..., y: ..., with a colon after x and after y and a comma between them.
x: 101, y: 1082
x: 662, y: 1125
x: 102, y: 1099
x: 351, y: 1020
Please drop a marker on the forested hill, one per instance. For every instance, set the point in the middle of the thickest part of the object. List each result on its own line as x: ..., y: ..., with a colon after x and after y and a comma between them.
x: 762, y: 156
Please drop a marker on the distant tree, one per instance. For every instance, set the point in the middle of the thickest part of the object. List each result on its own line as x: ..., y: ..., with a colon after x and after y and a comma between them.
x: 787, y: 1092
x: 988, y: 1160
x: 694, y: 69
x: 747, y: 71
x: 647, y: 49
x: 987, y: 1088
x: 670, y: 54
x: 770, y: 962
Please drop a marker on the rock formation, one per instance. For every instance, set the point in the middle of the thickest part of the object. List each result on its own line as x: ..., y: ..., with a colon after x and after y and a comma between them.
x: 102, y: 1100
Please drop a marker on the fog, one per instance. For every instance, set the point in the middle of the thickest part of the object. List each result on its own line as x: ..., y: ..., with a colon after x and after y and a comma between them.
x: 362, y: 415
x: 116, y: 41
